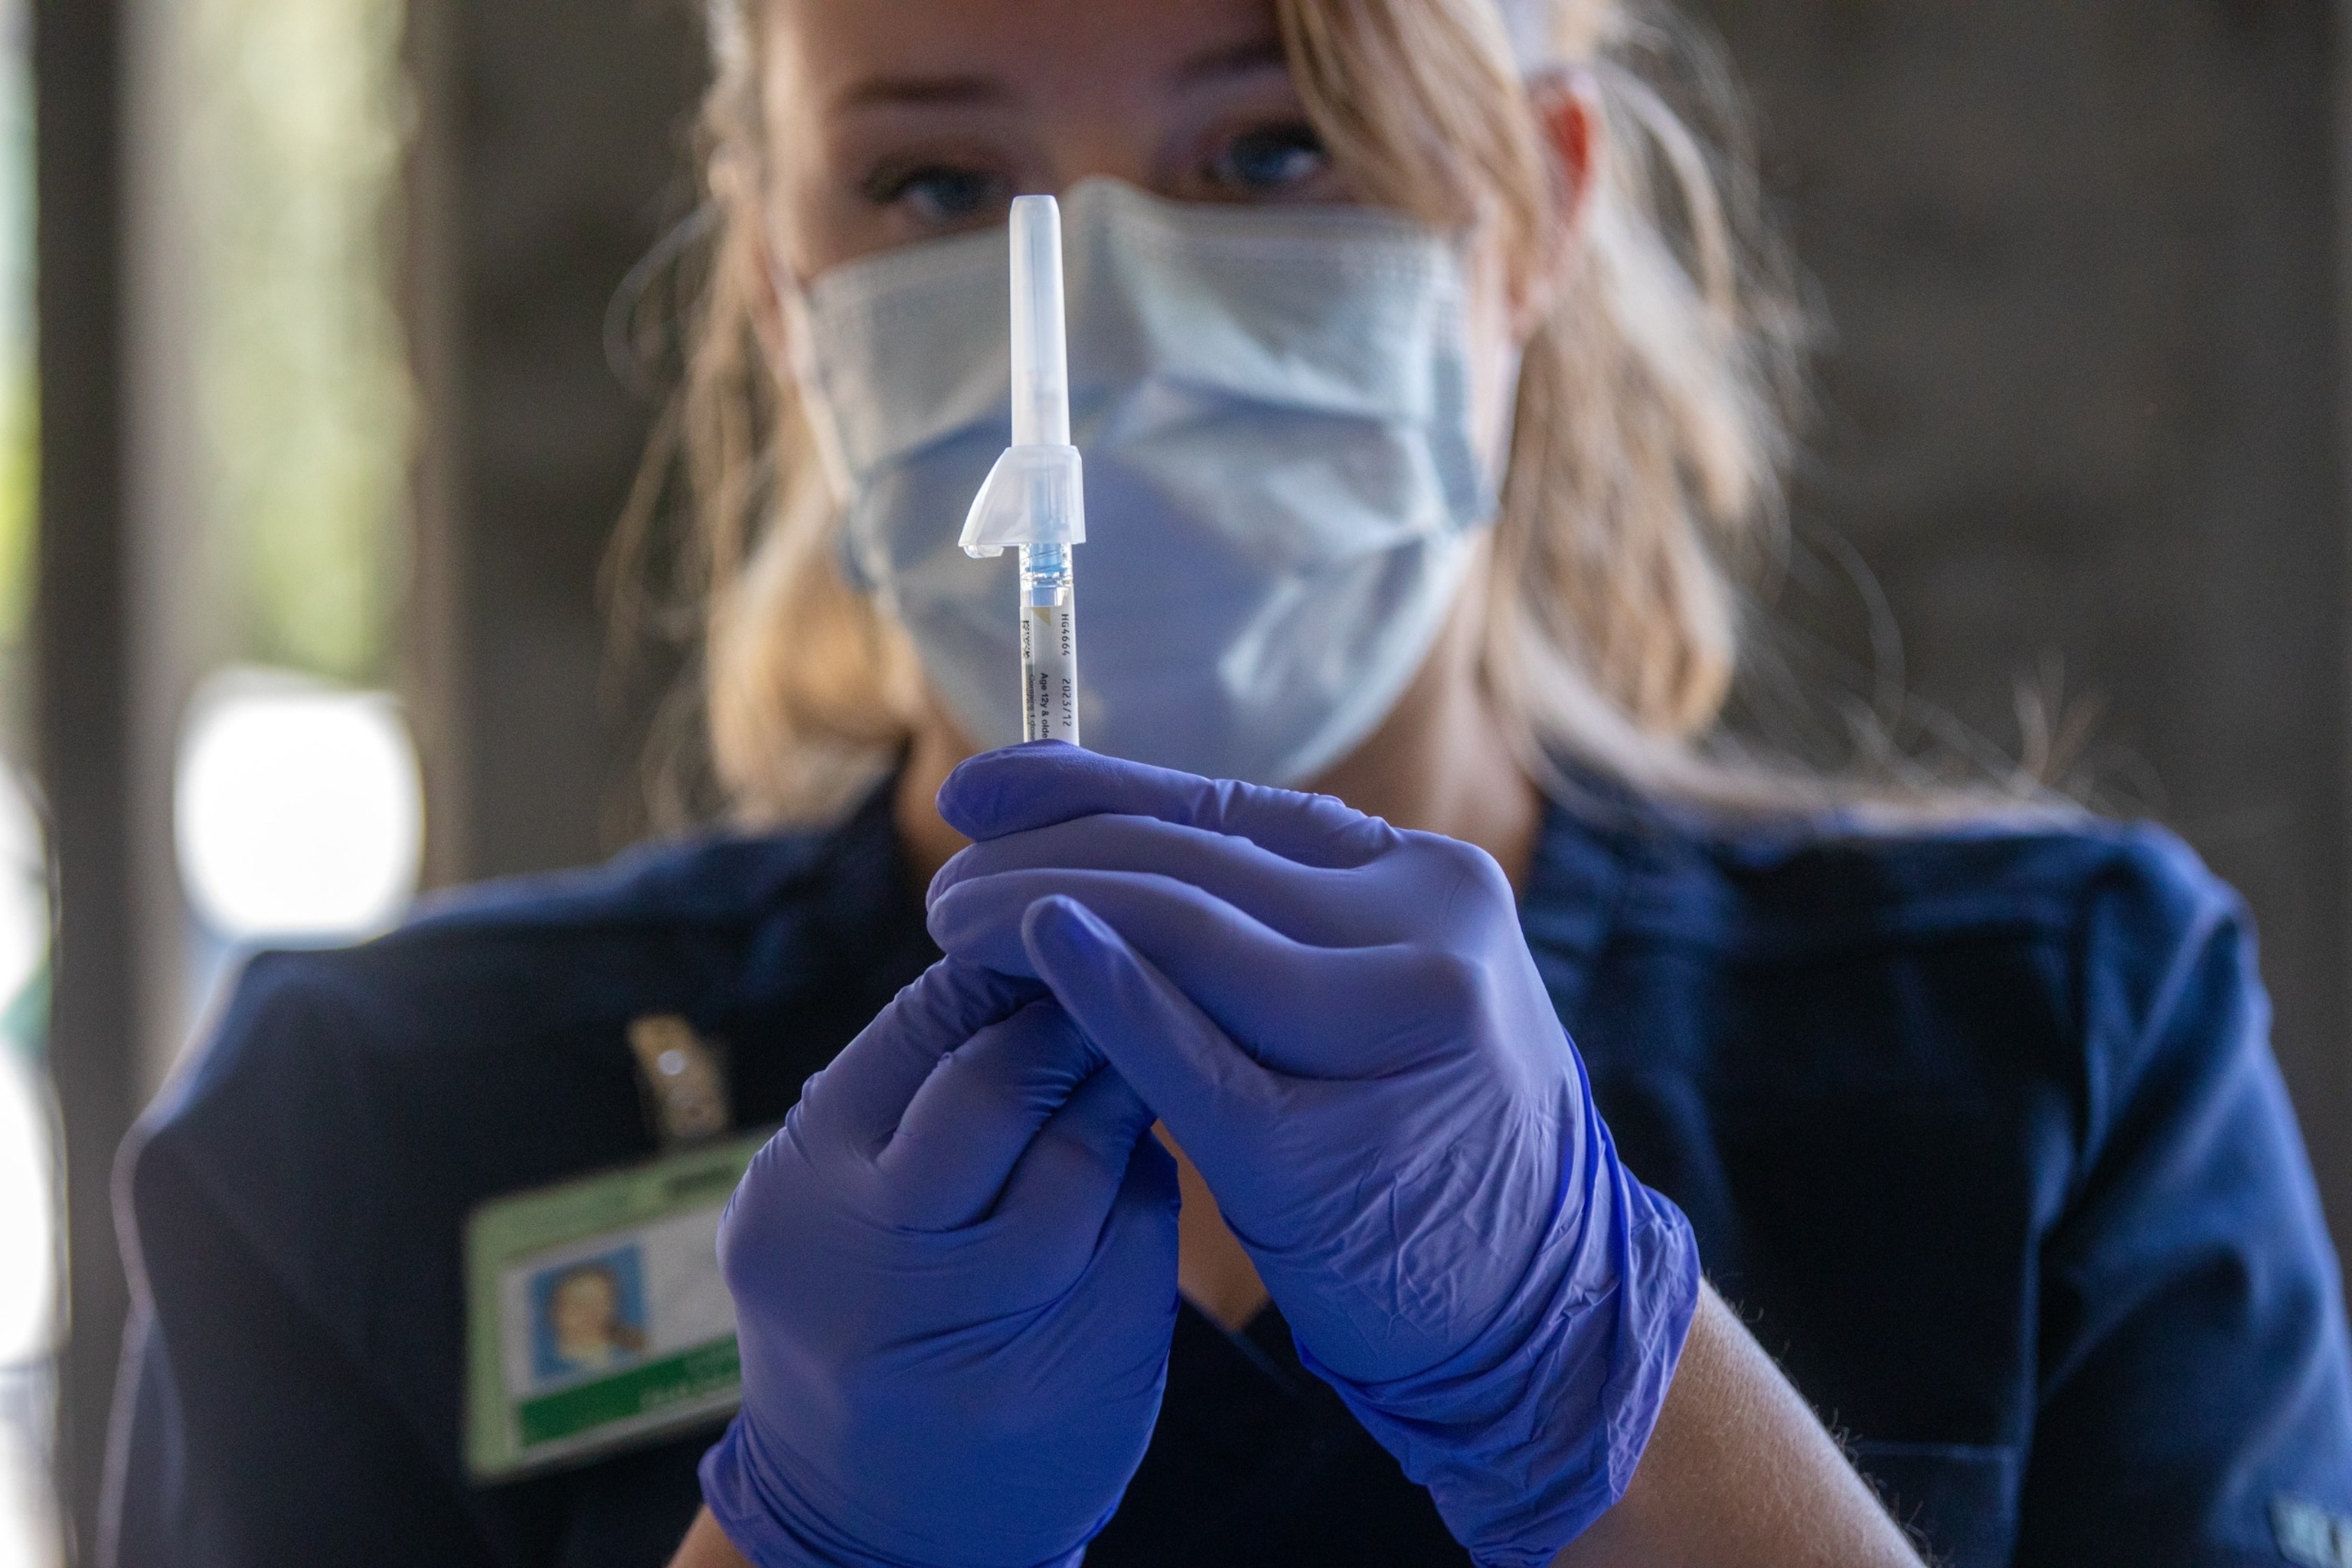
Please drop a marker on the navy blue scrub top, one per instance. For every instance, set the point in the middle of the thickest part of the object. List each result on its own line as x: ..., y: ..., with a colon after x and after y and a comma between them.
x: 1980, y: 1131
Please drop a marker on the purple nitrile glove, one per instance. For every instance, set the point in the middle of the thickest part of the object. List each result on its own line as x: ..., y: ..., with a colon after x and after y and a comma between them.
x: 1341, y: 1024
x: 954, y: 1273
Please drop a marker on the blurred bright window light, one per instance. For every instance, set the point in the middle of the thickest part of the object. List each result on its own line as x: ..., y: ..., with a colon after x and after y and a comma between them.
x: 29, y: 1243
x: 24, y: 899
x: 299, y: 813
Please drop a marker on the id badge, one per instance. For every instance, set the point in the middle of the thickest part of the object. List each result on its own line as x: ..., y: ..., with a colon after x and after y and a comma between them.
x: 596, y: 1318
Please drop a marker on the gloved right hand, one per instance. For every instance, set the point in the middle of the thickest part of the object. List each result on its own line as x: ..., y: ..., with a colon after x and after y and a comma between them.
x: 954, y: 1273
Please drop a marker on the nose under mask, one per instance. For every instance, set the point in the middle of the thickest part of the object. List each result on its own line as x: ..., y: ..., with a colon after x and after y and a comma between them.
x: 1281, y: 479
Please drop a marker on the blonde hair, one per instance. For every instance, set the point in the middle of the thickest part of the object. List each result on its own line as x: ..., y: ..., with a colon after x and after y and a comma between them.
x: 1649, y: 440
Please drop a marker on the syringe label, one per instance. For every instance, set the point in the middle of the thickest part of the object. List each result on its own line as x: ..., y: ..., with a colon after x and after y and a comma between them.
x: 1049, y: 672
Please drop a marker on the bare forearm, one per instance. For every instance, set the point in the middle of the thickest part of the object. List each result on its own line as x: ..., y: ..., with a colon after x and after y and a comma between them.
x: 707, y: 1546
x: 1739, y: 1472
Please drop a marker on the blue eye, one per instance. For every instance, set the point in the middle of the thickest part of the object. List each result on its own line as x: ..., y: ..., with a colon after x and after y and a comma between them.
x: 939, y: 195
x: 1272, y: 160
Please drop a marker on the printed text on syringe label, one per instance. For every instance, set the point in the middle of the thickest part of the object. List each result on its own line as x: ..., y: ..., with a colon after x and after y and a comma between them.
x: 1049, y: 672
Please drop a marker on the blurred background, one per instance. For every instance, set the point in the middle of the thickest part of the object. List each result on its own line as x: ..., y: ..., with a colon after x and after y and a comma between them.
x: 317, y: 407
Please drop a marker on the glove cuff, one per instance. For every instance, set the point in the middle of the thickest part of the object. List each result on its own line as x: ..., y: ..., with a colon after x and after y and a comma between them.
x: 768, y: 1523
x: 1524, y: 1451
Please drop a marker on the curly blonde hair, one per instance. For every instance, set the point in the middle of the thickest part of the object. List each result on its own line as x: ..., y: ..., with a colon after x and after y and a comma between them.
x: 1649, y: 441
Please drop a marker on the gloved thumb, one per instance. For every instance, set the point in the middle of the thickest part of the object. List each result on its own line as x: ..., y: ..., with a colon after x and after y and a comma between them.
x: 1208, y: 1090
x: 1086, y: 1160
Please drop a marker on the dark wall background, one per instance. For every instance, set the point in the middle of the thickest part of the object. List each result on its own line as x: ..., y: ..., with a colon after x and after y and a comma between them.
x: 2084, y: 410
x: 554, y: 155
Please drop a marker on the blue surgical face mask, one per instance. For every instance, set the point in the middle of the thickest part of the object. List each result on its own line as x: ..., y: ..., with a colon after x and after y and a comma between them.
x: 1281, y: 478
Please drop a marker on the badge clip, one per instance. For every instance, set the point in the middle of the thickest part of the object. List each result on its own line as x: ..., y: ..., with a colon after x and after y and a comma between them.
x: 685, y: 1080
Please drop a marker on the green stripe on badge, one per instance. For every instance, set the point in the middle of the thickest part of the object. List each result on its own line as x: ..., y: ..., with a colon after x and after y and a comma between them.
x: 674, y: 1380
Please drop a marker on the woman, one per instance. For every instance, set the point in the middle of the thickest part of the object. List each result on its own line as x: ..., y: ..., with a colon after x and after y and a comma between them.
x: 1428, y: 394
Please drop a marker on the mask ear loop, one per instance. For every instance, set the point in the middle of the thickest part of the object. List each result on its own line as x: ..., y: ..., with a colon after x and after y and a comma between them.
x: 1487, y: 313
x: 1539, y: 63
x: 1507, y: 423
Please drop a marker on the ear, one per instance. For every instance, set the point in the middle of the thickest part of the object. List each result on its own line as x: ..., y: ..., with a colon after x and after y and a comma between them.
x: 1567, y: 104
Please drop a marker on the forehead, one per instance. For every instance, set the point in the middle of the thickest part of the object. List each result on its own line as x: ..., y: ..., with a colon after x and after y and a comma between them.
x: 843, y: 52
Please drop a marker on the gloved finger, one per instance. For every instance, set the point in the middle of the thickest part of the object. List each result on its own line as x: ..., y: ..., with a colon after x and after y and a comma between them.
x: 855, y: 1103
x: 1317, y: 905
x: 1307, y: 1012
x: 1185, y: 1069
x: 1042, y: 783
x: 1070, y: 1175
x: 1130, y: 1269
x: 970, y: 1123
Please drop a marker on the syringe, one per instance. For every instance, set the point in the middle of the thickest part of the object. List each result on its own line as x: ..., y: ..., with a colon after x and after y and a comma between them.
x: 1034, y: 499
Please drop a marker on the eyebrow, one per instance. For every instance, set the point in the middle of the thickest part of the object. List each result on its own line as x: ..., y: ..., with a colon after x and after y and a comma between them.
x: 884, y: 91
x: 1233, y: 60
x: 918, y: 91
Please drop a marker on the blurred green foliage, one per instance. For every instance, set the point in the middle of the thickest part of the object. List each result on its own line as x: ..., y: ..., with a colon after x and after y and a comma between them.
x: 19, y: 401
x: 20, y: 437
x: 297, y: 118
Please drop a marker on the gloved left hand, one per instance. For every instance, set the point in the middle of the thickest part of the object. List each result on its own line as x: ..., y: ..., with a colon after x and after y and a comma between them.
x: 1341, y: 1024
x: 954, y: 1273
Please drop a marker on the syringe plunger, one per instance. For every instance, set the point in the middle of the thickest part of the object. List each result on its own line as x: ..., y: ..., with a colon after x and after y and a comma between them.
x: 1041, y: 369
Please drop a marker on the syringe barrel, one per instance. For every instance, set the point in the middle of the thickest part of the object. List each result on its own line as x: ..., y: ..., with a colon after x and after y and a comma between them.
x: 1041, y: 372
x: 1049, y: 643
